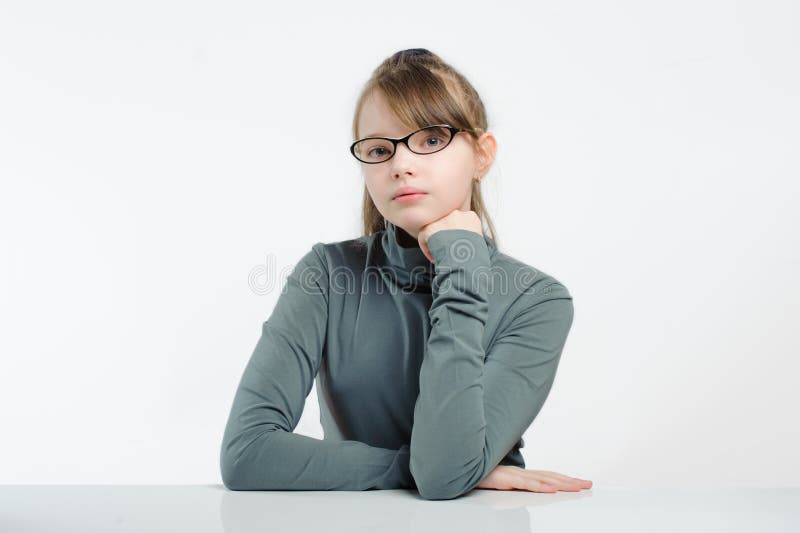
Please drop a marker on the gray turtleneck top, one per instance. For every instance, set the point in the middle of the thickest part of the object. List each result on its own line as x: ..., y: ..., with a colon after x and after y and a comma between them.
x: 427, y: 373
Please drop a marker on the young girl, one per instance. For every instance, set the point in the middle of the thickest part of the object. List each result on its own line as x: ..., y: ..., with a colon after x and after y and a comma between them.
x: 432, y: 351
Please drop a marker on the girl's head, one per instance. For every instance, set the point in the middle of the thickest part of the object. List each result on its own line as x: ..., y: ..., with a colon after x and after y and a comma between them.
x: 410, y: 90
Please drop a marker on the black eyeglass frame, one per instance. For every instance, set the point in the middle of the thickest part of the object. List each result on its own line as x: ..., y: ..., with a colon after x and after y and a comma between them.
x: 404, y: 140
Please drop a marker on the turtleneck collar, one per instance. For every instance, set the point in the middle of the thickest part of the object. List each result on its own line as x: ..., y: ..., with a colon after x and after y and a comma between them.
x: 409, y: 264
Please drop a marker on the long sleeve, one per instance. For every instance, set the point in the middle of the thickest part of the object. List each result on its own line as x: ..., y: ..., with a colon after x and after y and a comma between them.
x: 474, y: 406
x: 259, y: 449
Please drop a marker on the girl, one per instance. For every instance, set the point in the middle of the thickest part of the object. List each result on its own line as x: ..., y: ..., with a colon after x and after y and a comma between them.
x: 432, y: 351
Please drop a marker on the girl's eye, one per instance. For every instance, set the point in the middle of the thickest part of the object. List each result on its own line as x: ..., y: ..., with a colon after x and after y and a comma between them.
x: 370, y: 152
x: 434, y: 137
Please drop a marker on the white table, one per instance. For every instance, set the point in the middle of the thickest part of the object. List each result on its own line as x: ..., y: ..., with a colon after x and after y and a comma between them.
x: 201, y: 508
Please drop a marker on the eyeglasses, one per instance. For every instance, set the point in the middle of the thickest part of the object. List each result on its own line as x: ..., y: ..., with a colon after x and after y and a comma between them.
x: 427, y: 140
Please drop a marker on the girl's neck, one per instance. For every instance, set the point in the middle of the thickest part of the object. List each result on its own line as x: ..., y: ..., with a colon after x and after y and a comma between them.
x: 405, y: 239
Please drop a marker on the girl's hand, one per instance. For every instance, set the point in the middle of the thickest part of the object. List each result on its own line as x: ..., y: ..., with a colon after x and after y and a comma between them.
x: 513, y: 477
x: 456, y: 219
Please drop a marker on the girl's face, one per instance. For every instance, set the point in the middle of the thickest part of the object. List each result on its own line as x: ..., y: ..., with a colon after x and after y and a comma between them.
x: 445, y: 176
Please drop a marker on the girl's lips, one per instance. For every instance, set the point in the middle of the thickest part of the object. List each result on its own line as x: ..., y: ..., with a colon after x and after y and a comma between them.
x: 410, y: 197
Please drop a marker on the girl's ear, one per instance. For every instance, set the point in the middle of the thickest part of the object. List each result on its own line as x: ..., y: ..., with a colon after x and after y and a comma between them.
x: 485, y: 152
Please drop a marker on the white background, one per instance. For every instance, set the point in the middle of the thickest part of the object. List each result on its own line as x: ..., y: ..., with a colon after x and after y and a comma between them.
x: 155, y: 154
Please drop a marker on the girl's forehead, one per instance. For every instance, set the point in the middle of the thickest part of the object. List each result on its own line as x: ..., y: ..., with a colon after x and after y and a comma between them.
x: 382, y: 125
x: 377, y: 119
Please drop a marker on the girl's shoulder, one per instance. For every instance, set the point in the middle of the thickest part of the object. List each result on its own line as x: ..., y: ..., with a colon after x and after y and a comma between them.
x: 349, y: 252
x: 524, y: 277
x: 327, y: 261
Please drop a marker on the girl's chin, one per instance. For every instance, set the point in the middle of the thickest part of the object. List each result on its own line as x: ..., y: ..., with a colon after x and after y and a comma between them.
x: 413, y: 223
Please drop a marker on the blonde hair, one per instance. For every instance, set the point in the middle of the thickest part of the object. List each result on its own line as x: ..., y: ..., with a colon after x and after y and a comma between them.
x: 421, y: 89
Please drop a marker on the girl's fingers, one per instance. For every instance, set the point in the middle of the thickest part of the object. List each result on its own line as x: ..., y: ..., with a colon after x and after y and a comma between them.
x: 556, y: 480
x: 559, y: 484
x: 562, y: 475
x: 534, y: 485
x: 514, y: 477
x: 565, y: 478
x: 536, y: 481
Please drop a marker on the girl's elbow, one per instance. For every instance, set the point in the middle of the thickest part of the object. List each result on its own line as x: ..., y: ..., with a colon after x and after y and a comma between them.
x: 439, y: 483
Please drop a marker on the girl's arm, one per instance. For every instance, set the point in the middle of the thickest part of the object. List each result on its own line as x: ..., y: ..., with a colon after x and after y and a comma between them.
x: 259, y: 449
x: 473, y: 406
